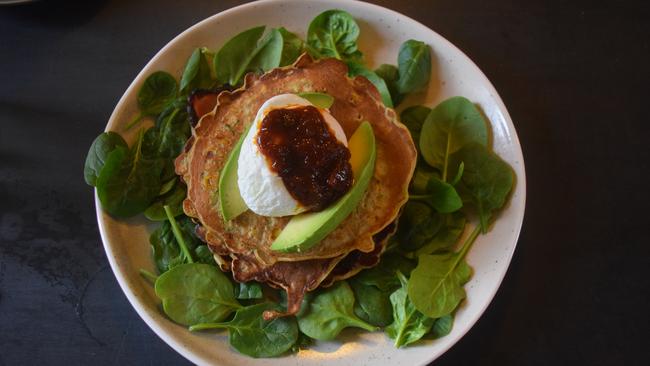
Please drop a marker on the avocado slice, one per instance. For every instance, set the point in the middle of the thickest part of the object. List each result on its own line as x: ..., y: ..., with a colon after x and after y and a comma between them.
x: 230, y: 200
x: 306, y: 230
x: 320, y: 100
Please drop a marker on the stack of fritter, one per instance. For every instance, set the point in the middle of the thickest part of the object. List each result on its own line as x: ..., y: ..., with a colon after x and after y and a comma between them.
x: 243, y: 245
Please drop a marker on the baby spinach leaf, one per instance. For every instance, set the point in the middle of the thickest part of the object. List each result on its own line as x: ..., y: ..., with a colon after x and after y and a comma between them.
x: 418, y: 224
x: 292, y: 47
x: 372, y: 305
x: 330, y: 312
x: 167, y: 138
x: 191, y: 69
x: 414, y: 62
x: 383, y: 275
x: 452, y: 228
x: 355, y: 69
x: 166, y: 248
x: 159, y: 90
x: 248, y: 51
x: 174, y: 199
x: 487, y: 180
x: 413, y: 118
x: 203, y: 255
x: 437, y: 290
x: 425, y: 231
x: 390, y: 74
x: 303, y: 342
x: 253, y: 336
x: 233, y: 58
x: 249, y: 290
x: 197, y: 73
x: 195, y: 293
x: 436, y: 284
x: 334, y: 33
x: 423, y: 173
x: 99, y: 150
x: 442, y: 326
x: 451, y: 125
x: 179, y: 103
x: 268, y: 53
x: 440, y: 195
x: 387, y: 72
x: 166, y: 252
x: 129, y: 181
x: 409, y: 324
x: 167, y: 186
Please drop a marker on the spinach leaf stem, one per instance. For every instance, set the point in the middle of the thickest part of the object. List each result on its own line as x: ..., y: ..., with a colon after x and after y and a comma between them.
x: 135, y: 121
x: 148, y: 275
x: 177, y: 234
x: 446, y: 161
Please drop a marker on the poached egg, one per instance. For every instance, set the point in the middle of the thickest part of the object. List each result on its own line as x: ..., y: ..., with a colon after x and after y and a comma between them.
x: 261, y: 188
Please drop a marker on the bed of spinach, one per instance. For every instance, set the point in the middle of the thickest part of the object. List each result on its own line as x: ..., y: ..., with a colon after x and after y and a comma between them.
x: 415, y: 289
x: 132, y: 180
x: 456, y: 174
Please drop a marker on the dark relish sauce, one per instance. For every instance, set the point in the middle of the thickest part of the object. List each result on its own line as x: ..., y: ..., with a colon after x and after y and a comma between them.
x: 301, y: 149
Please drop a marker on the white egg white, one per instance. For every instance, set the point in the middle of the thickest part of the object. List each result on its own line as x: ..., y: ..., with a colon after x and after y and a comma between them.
x: 260, y: 187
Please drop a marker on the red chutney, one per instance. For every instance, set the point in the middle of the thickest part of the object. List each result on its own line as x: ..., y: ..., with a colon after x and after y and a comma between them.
x: 301, y: 149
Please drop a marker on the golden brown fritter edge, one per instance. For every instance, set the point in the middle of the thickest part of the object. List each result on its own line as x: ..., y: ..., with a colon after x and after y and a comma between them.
x: 298, y: 278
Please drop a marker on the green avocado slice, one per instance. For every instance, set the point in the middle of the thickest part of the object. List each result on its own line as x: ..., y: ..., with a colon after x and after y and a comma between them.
x: 230, y: 200
x: 306, y: 230
x: 320, y: 100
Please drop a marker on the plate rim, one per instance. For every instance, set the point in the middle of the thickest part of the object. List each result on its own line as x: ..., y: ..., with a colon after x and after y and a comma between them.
x: 183, y: 349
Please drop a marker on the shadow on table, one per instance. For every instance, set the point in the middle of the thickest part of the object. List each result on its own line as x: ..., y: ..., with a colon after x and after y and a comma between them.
x: 54, y: 12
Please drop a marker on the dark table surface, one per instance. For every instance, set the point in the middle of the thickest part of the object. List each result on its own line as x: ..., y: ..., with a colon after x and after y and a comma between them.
x: 573, y: 74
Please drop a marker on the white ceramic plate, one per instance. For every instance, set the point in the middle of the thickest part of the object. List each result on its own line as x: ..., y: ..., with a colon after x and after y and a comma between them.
x: 382, y: 32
